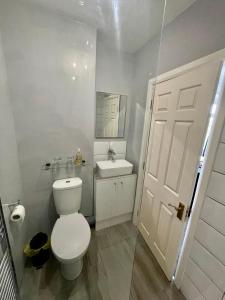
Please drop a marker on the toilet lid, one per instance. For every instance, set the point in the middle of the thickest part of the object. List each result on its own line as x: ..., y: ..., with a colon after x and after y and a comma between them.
x: 70, y: 236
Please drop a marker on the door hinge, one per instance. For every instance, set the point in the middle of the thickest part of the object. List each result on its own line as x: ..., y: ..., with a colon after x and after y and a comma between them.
x: 151, y: 105
x: 143, y: 165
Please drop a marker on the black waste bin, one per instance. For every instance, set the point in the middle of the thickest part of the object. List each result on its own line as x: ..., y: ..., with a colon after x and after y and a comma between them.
x: 38, y: 249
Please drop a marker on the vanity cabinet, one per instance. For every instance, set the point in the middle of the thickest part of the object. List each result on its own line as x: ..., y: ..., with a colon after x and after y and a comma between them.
x: 114, y: 200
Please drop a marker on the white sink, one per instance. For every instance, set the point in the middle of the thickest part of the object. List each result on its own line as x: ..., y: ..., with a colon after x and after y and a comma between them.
x: 118, y: 167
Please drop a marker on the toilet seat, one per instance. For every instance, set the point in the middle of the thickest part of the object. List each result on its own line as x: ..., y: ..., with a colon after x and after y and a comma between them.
x: 70, y: 237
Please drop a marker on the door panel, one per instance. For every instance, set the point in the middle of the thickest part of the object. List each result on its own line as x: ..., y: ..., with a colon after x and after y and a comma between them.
x: 158, y: 132
x: 163, y: 229
x: 179, y: 120
x: 146, y: 212
x: 187, y: 97
x: 177, y: 155
x: 162, y: 102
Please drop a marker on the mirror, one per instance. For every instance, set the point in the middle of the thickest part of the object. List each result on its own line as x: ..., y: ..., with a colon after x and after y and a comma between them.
x: 110, y: 115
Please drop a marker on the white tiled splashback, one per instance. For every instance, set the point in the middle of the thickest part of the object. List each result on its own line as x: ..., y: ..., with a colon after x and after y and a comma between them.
x: 101, y: 150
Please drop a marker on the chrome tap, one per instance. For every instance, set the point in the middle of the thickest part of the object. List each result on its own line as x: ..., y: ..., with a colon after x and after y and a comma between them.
x: 111, y: 154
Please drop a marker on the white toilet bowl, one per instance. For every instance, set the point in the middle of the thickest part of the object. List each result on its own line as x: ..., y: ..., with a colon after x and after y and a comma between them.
x: 70, y: 240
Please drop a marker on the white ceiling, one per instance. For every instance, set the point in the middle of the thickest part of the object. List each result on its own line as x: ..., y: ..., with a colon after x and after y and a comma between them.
x: 124, y: 24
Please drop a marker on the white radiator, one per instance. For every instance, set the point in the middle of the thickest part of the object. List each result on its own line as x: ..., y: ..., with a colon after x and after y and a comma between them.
x: 8, y: 286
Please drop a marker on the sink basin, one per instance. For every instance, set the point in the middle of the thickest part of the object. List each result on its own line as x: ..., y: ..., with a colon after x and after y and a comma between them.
x: 118, y: 167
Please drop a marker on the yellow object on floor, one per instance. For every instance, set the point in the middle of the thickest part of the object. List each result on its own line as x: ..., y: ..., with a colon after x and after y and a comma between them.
x: 31, y: 252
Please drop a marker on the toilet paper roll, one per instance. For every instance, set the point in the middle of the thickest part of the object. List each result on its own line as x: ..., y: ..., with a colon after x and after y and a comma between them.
x: 18, y: 214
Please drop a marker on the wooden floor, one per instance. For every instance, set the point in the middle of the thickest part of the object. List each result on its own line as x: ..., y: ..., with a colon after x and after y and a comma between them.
x: 114, y: 269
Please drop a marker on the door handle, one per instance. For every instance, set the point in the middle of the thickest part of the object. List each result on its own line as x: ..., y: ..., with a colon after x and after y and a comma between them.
x: 179, y: 209
x: 175, y: 207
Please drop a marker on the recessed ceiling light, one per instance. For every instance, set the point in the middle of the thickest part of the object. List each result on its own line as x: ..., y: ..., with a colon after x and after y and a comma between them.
x: 81, y: 3
x: 74, y: 64
x: 73, y: 78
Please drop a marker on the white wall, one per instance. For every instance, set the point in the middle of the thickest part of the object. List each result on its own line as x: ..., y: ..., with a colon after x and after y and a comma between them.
x: 204, y: 276
x: 10, y: 177
x: 197, y: 32
x: 54, y: 115
x: 145, y: 67
x: 114, y: 73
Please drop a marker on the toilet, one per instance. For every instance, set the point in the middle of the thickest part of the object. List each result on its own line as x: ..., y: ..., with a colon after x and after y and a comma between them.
x: 71, y: 234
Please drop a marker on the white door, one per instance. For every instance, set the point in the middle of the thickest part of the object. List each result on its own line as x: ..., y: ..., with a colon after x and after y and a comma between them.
x: 179, y: 121
x: 107, y: 116
x: 111, y: 116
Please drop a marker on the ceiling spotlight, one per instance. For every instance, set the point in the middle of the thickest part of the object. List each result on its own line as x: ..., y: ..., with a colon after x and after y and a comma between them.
x: 74, y: 64
x: 73, y: 78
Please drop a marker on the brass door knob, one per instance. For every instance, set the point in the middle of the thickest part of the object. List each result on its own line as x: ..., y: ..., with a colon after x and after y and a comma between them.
x: 175, y: 207
x: 180, y: 210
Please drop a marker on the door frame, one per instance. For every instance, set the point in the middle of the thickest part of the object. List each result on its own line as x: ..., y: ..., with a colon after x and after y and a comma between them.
x: 208, y: 163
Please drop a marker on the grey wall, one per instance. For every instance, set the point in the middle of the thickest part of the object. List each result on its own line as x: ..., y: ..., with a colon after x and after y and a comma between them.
x: 114, y: 73
x: 54, y: 114
x: 145, y: 67
x: 199, y: 31
x: 10, y: 177
x: 114, y: 70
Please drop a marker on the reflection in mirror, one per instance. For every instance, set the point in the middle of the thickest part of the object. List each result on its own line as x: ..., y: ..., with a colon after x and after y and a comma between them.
x: 110, y: 115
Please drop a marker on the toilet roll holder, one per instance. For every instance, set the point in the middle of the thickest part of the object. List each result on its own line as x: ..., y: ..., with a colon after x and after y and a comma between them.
x: 9, y: 205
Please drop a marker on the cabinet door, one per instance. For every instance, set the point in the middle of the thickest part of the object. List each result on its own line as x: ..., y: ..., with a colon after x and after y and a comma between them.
x: 126, y: 193
x: 105, y: 195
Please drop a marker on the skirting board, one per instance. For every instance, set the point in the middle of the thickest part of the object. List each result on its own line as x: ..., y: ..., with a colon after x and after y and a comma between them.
x: 113, y: 221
